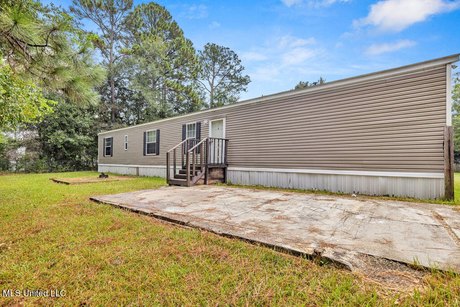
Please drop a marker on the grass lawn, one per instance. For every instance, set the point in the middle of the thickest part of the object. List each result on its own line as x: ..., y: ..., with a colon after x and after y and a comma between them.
x: 53, y: 237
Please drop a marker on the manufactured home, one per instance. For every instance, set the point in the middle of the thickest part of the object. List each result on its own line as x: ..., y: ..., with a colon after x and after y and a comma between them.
x: 385, y: 133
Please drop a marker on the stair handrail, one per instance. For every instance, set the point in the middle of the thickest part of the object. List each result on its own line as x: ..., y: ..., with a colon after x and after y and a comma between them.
x: 193, y: 151
x: 168, y: 158
x: 179, y: 144
x: 198, y: 155
x: 203, y: 140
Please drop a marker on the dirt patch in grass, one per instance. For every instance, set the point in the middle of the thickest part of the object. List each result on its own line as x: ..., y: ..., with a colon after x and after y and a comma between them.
x: 116, y: 225
x: 102, y: 241
x: 84, y: 180
x: 3, y: 246
x: 391, y: 275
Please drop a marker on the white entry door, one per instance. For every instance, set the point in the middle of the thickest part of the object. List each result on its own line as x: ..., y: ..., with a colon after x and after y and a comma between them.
x: 217, y: 144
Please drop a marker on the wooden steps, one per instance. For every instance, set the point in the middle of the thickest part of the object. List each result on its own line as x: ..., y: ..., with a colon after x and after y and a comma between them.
x: 205, y: 161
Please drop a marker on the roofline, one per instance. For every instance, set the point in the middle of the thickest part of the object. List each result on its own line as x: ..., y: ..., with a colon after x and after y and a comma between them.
x: 347, y: 81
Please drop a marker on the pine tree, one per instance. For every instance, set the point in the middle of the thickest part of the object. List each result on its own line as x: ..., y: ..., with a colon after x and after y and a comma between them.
x: 45, y: 53
x: 109, y: 17
x: 221, y: 76
x: 163, y: 62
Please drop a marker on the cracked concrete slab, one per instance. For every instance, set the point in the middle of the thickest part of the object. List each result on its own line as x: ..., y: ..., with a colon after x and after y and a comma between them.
x: 338, y: 228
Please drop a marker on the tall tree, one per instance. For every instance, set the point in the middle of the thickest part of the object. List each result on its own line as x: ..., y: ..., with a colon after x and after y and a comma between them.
x: 21, y: 101
x: 456, y: 93
x: 108, y: 16
x: 4, y: 161
x: 162, y: 61
x: 43, y: 52
x: 456, y: 111
x: 68, y: 138
x: 221, y: 76
x: 306, y: 84
x: 131, y: 104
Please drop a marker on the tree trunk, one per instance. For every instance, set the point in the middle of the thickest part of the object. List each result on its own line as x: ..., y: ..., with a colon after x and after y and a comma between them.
x: 112, y: 98
x: 111, y: 68
x: 211, y: 98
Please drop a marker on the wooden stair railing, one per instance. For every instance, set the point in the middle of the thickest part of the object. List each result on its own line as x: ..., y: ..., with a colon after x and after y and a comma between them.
x: 196, y: 158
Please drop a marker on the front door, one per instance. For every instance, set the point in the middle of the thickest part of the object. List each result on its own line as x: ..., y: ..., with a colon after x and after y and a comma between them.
x: 217, y: 142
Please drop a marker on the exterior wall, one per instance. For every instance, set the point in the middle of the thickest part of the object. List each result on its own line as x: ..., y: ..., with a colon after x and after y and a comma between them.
x: 390, y: 124
x: 424, y: 186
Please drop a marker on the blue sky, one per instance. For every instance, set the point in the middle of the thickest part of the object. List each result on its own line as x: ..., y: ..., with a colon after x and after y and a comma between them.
x: 284, y: 41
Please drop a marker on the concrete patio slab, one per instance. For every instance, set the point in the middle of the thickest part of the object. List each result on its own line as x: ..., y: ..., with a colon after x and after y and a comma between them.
x: 342, y: 229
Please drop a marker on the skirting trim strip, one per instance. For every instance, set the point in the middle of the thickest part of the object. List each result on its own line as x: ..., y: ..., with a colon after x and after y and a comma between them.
x: 341, y: 172
x: 132, y: 165
x: 310, y: 171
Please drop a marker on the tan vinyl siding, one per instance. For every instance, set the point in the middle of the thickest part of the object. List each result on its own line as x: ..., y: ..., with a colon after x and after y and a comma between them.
x: 388, y: 124
x: 170, y: 135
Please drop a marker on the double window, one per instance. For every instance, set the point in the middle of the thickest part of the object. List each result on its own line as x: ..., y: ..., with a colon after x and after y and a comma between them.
x: 108, y: 147
x: 152, y: 142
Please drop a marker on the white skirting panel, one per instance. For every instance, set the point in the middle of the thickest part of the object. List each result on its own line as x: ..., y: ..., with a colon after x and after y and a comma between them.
x: 427, y: 186
x: 138, y: 170
x: 123, y: 170
x: 153, y: 171
x: 418, y: 185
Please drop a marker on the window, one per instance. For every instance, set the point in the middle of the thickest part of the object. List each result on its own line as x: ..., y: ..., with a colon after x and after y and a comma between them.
x: 191, y: 131
x: 126, y: 142
x: 150, y: 142
x: 108, y: 142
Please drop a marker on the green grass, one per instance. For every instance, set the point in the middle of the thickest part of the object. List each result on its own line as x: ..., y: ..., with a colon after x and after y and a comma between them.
x: 53, y: 237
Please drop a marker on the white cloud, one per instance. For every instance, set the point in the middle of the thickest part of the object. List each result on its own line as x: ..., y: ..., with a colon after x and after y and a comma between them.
x: 294, y: 50
x: 312, y: 3
x: 297, y: 56
x: 253, y: 56
x: 290, y: 3
x: 320, y: 3
x: 281, y: 55
x: 289, y: 41
x: 397, y: 15
x: 265, y: 73
x: 377, y: 49
x: 195, y: 11
x: 214, y: 25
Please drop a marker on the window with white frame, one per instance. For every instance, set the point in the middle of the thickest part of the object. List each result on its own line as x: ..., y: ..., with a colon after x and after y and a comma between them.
x: 126, y: 142
x: 191, y: 131
x: 108, y: 144
x: 150, y: 142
